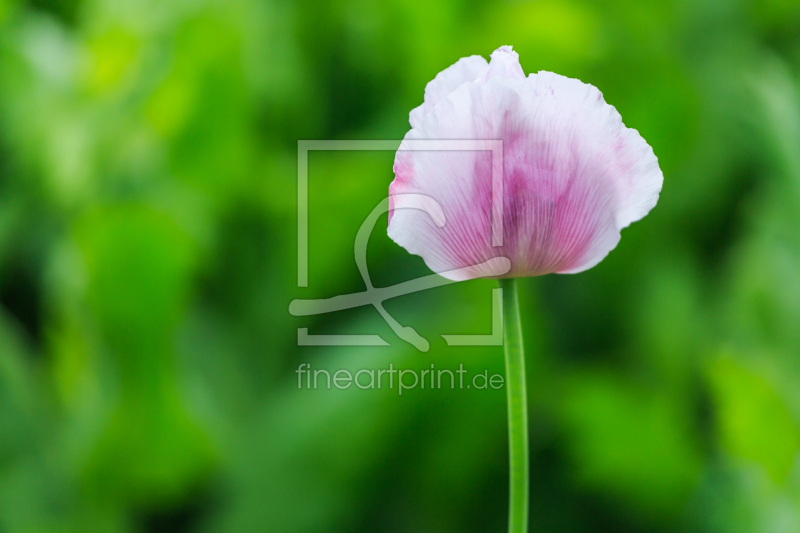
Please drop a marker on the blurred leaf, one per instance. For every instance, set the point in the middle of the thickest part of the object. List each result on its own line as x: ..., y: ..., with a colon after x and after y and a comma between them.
x: 754, y: 423
x: 631, y: 442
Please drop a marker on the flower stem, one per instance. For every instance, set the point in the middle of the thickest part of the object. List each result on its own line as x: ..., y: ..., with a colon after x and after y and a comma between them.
x: 517, y: 409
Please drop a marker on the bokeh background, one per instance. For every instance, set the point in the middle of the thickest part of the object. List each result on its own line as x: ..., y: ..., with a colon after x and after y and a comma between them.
x: 148, y: 156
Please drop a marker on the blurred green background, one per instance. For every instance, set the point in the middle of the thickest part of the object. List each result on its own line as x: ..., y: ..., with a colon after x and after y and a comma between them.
x: 148, y: 257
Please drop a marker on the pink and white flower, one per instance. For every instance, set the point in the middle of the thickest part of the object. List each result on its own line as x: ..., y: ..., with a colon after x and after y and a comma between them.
x: 573, y: 175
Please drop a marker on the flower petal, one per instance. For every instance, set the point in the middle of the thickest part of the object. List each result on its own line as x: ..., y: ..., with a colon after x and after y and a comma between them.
x: 504, y: 65
x: 574, y: 176
x: 464, y: 70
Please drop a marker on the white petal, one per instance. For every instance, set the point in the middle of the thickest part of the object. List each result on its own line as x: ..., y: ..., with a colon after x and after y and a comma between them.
x: 504, y: 65
x: 464, y: 70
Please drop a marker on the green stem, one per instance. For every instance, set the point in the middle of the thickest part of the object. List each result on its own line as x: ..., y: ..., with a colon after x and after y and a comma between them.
x: 517, y: 409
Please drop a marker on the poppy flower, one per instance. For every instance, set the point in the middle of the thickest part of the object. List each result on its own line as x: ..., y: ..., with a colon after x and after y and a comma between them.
x: 573, y: 174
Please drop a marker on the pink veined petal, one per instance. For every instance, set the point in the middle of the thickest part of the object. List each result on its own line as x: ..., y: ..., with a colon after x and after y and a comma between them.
x: 464, y: 70
x: 574, y: 176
